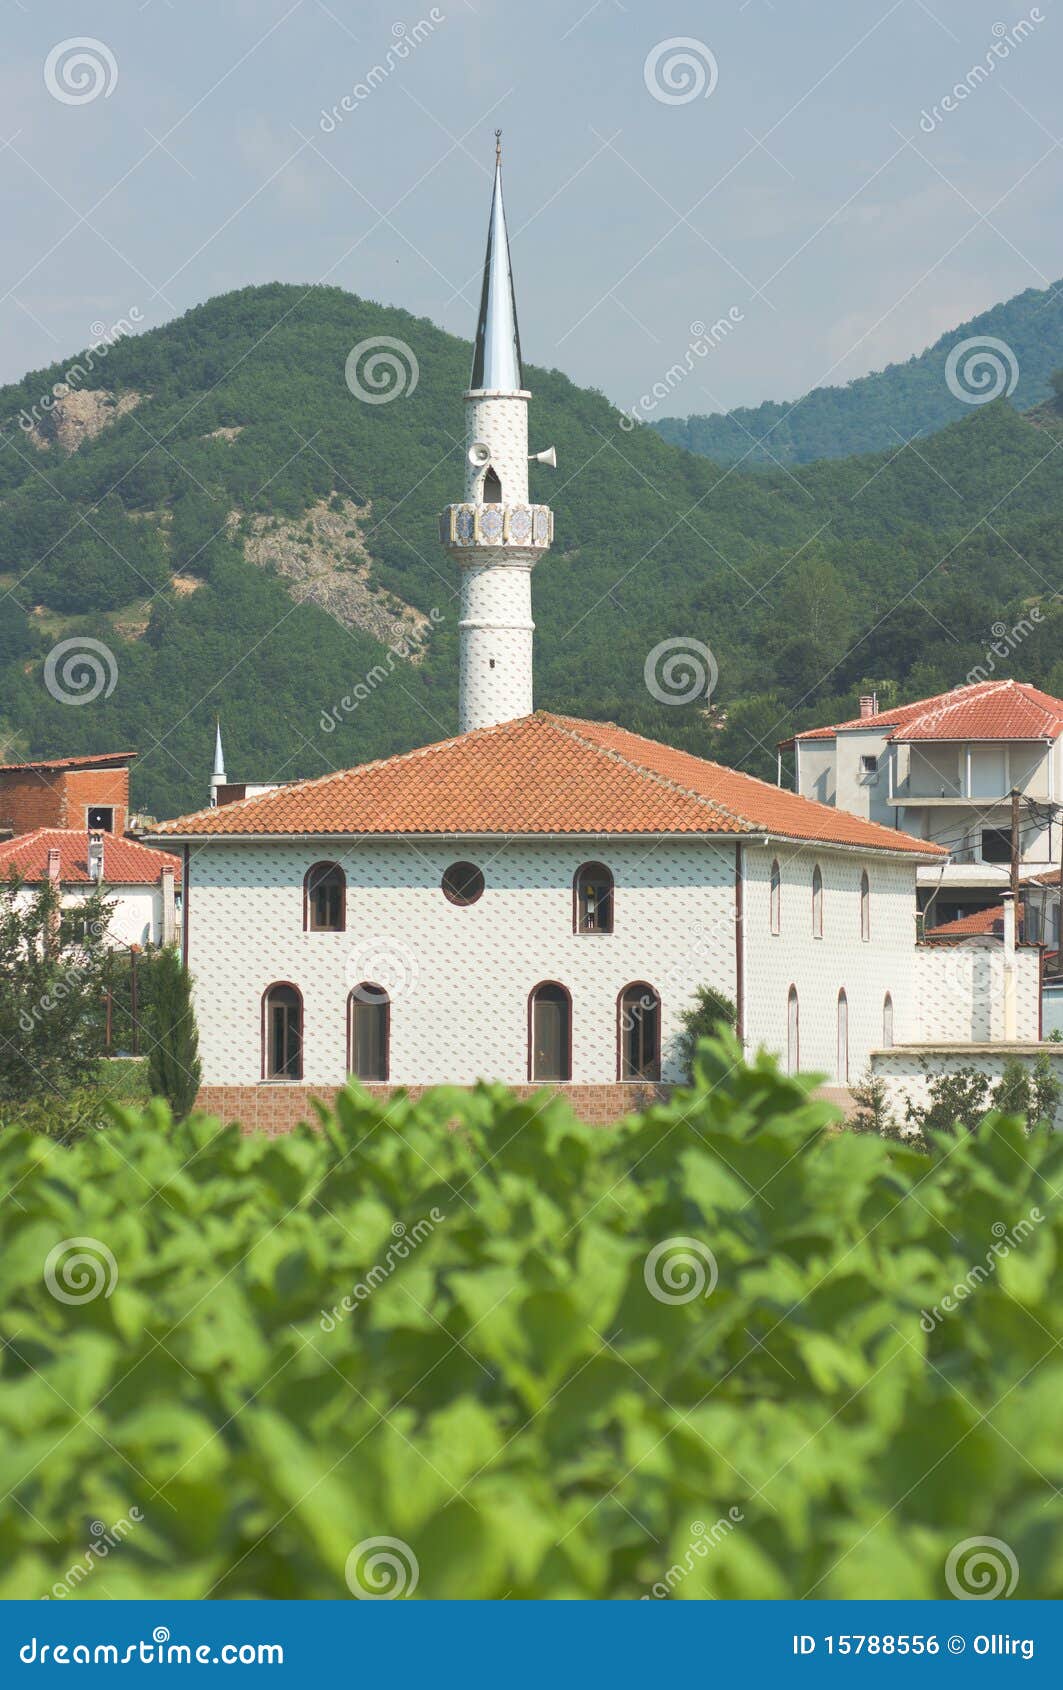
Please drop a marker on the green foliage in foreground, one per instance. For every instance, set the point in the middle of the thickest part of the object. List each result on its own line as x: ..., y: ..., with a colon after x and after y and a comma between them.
x: 382, y: 1328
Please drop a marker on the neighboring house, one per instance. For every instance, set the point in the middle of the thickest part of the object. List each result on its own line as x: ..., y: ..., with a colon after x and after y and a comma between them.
x: 64, y: 819
x: 538, y: 899
x: 943, y: 769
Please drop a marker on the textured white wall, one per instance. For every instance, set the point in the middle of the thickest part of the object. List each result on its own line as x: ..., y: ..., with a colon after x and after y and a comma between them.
x: 819, y: 968
x: 501, y: 422
x: 959, y: 993
x: 495, y: 676
x: 908, y: 1073
x: 459, y: 977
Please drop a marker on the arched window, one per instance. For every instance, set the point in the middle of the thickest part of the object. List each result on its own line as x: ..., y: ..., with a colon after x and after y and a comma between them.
x: 282, y: 1033
x: 638, y: 1033
x: 793, y: 1032
x: 865, y: 907
x: 817, y: 903
x: 325, y: 899
x: 843, y: 1038
x: 593, y: 899
x: 550, y: 1033
x: 492, y: 488
x: 369, y: 1032
x: 776, y: 897
x: 887, y: 1021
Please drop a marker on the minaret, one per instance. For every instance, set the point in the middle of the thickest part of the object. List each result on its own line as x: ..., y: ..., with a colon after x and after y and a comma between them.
x: 495, y: 535
x: 218, y: 778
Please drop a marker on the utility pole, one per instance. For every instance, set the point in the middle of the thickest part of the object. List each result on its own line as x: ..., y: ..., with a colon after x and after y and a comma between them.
x: 1015, y: 795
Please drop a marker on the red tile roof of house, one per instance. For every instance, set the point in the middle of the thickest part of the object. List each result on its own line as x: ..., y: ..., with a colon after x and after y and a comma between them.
x: 997, y: 710
x: 125, y: 861
x: 541, y: 774
x: 70, y: 762
x: 990, y: 921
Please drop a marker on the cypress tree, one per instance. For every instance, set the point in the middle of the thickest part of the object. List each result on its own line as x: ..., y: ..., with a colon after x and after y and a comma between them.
x: 173, y: 1063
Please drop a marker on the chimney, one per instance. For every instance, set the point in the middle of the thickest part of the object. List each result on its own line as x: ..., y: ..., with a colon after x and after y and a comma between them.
x: 868, y: 704
x: 53, y: 881
x: 96, y: 857
x: 169, y: 916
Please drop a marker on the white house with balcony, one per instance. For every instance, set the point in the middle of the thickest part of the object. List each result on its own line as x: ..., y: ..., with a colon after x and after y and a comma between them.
x: 944, y: 769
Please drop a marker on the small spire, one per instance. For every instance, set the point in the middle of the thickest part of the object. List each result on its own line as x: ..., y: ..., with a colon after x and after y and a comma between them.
x: 496, y: 359
x: 219, y: 756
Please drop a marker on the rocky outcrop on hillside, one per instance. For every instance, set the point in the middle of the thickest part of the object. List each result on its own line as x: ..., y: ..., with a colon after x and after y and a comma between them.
x: 79, y: 415
x: 323, y: 559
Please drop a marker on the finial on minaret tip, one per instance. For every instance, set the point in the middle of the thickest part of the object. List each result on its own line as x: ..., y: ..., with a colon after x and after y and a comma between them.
x: 498, y: 147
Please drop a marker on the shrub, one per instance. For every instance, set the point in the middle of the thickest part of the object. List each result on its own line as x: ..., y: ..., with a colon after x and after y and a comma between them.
x: 710, y: 1011
x: 480, y: 1342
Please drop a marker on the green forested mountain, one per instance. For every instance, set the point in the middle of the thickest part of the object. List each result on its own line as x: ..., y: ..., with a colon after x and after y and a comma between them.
x: 877, y: 412
x: 239, y: 428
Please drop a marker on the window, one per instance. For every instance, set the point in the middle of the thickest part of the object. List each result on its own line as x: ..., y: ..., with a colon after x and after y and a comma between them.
x: 369, y: 1032
x: 793, y: 1030
x: 868, y: 765
x: 865, y: 906
x: 593, y: 888
x: 550, y: 1033
x: 325, y: 899
x: 463, y: 883
x: 842, y: 1063
x: 887, y: 1021
x: 996, y: 845
x: 282, y: 1033
x: 817, y: 903
x: 776, y: 897
x: 492, y: 488
x: 100, y: 818
x: 639, y: 1033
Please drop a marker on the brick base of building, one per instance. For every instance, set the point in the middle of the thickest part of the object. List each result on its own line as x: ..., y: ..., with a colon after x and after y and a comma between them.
x: 279, y: 1108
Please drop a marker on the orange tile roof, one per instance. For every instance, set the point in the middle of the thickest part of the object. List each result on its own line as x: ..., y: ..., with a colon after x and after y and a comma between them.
x: 125, y: 861
x: 987, y: 710
x: 70, y: 762
x: 976, y: 922
x: 541, y: 774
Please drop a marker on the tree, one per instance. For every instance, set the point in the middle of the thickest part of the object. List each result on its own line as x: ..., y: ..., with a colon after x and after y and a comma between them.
x: 710, y: 1011
x: 51, y: 991
x: 173, y: 1062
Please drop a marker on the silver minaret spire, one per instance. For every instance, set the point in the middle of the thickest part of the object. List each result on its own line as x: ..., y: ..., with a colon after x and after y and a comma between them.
x: 496, y: 359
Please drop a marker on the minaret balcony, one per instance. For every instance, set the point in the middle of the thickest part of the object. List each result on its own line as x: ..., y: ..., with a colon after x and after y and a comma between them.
x: 525, y: 526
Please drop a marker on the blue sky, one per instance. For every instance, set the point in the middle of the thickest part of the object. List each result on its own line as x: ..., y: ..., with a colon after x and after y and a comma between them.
x: 807, y: 191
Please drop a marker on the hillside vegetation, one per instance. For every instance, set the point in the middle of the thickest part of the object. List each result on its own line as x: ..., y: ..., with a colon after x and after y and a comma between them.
x: 876, y: 412
x: 715, y: 1353
x: 204, y: 535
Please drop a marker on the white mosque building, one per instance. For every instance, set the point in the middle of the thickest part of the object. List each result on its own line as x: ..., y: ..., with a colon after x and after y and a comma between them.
x: 538, y: 899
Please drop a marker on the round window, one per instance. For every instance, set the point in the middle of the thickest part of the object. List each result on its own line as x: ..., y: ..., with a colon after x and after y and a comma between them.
x: 463, y: 883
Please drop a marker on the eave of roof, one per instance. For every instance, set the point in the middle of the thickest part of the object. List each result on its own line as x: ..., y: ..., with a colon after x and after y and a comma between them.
x: 95, y: 761
x: 541, y: 776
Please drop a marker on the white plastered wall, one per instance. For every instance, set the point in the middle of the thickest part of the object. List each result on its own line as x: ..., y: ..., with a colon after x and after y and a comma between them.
x: 459, y: 978
x: 820, y: 968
